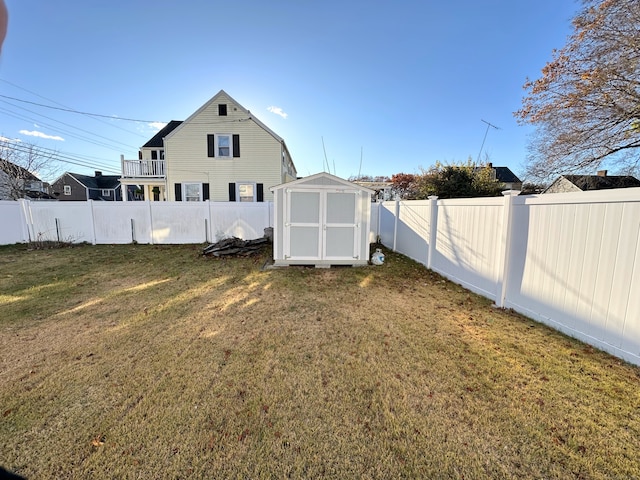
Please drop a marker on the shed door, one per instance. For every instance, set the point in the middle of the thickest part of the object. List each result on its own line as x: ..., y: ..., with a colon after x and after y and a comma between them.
x: 303, y: 233
x: 340, y: 226
x: 321, y: 225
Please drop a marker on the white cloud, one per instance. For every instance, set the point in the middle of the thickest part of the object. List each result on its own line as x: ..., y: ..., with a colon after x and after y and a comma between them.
x: 278, y: 111
x: 34, y: 133
x: 157, y: 125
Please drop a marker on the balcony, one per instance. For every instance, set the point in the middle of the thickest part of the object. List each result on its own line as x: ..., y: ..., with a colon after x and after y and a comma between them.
x: 143, y: 168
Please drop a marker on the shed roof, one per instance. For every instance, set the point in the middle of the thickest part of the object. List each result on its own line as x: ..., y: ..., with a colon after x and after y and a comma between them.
x: 322, y: 179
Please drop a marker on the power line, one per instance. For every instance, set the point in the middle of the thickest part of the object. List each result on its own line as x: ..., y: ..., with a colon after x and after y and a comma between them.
x: 68, y: 125
x: 79, y: 112
x: 66, y: 106
x: 64, y: 157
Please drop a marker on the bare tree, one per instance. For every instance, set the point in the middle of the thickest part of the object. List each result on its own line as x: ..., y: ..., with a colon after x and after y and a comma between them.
x: 586, y: 104
x: 21, y: 164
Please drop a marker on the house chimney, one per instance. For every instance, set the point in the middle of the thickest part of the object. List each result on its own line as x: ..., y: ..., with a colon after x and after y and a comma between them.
x: 98, y: 173
x: 602, y: 173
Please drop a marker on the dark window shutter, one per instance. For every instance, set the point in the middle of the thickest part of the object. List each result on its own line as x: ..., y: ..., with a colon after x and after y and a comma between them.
x: 232, y: 192
x: 178, y: 191
x: 260, y: 192
x: 139, y: 154
x: 205, y: 191
x: 211, y: 146
x: 236, y: 145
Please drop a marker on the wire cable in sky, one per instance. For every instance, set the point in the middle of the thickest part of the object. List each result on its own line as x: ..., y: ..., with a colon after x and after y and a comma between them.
x: 112, y: 125
x: 112, y: 117
x: 68, y: 125
x: 64, y: 157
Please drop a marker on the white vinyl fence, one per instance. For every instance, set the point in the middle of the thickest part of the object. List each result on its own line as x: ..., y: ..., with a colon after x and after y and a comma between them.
x: 569, y: 260
x: 128, y: 222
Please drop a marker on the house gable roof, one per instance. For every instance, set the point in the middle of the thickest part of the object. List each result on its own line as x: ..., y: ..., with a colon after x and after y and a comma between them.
x: 322, y: 179
x: 214, y: 100
x: 505, y: 175
x: 157, y: 139
x: 110, y: 182
x: 598, y: 182
x: 12, y: 169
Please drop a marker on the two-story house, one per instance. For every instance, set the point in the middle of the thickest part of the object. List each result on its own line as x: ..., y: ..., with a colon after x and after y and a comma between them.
x: 222, y: 152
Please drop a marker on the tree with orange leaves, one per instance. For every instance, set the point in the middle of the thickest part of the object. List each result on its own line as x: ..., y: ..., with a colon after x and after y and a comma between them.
x: 586, y: 104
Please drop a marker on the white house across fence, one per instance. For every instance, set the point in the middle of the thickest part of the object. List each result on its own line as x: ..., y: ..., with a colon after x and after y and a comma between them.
x: 569, y: 260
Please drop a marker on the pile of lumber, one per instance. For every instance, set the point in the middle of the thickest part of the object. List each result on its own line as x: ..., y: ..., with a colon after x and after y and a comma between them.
x: 235, y: 247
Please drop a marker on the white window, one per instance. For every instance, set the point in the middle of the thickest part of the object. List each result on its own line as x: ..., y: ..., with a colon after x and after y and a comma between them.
x: 192, y: 192
x: 223, y: 145
x: 246, y: 192
x: 106, y: 193
x: 67, y: 189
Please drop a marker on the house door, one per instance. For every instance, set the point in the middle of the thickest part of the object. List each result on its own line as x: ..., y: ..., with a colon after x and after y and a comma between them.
x: 321, y: 225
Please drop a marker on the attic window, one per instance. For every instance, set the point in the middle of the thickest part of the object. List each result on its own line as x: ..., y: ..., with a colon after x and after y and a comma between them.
x: 67, y: 189
x: 222, y: 109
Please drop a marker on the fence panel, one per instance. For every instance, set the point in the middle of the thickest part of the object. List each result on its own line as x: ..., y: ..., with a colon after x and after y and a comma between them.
x: 13, y: 225
x: 412, y: 238
x: 124, y: 222
x: 179, y: 222
x: 247, y: 222
x: 468, y: 242
x: 576, y: 266
x: 64, y: 222
x: 387, y: 220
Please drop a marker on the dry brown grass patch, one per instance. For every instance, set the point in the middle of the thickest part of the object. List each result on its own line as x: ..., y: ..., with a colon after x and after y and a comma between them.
x: 130, y: 361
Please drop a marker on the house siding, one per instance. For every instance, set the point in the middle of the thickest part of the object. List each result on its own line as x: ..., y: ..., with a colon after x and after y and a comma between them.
x: 78, y: 191
x: 187, y: 157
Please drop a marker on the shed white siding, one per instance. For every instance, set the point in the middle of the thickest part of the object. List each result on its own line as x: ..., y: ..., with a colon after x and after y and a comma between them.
x: 321, y: 220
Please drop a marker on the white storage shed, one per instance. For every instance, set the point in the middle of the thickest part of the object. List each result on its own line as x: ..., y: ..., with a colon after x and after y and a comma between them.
x: 321, y: 220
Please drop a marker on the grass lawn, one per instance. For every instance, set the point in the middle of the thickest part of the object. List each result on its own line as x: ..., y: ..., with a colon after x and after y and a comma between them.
x: 139, y: 361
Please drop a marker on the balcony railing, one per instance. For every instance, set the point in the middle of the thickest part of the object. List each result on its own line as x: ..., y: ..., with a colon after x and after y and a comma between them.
x: 143, y: 168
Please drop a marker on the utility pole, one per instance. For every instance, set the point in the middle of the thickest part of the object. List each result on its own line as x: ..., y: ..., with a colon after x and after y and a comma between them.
x: 489, y: 125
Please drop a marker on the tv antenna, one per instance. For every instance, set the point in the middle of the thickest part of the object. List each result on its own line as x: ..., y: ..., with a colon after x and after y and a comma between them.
x: 489, y: 125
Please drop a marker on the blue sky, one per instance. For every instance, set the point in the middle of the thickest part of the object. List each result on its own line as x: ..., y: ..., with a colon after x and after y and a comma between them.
x: 399, y: 84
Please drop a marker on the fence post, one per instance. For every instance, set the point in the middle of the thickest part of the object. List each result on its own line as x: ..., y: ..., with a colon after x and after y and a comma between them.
x: 433, y: 229
x: 208, y: 233
x: 150, y: 223
x: 505, y: 246
x: 395, y: 224
x: 93, y: 222
x: 28, y: 234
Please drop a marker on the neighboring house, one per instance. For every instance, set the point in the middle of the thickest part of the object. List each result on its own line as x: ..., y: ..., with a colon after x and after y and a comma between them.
x: 77, y: 187
x: 507, y: 177
x: 222, y: 152
x: 383, y: 191
x: 17, y: 182
x: 581, y: 183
